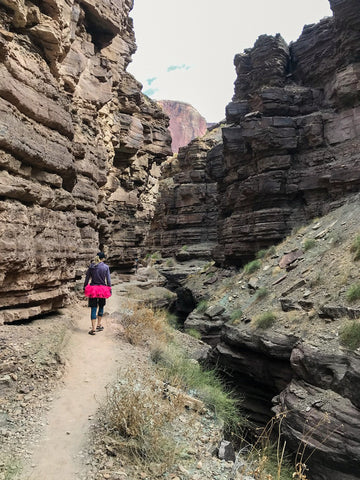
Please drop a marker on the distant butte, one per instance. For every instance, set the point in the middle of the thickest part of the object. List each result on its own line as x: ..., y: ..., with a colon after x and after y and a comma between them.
x: 186, y: 123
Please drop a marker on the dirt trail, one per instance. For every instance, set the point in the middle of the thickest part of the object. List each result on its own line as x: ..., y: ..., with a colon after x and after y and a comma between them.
x: 92, y: 362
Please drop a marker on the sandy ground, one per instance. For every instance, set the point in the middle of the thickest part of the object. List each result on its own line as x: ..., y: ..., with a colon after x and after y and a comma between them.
x: 92, y: 362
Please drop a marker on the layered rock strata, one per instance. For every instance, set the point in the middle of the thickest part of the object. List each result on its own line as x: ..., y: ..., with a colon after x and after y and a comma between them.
x: 292, y: 151
x: 80, y: 148
x: 185, y: 220
x: 279, y: 336
x: 186, y: 123
x: 290, y: 143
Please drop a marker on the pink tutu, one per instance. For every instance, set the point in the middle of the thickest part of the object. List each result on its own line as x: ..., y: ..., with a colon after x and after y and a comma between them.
x: 97, y: 291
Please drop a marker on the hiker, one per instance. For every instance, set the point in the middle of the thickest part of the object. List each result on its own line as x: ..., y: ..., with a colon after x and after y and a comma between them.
x: 98, y: 290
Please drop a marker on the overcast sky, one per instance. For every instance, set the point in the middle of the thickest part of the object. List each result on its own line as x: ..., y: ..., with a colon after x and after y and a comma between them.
x: 186, y: 47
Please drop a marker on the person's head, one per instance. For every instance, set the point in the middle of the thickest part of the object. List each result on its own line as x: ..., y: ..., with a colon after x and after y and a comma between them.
x: 100, y: 257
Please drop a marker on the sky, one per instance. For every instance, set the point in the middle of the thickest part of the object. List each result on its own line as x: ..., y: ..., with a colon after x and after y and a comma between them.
x: 186, y: 48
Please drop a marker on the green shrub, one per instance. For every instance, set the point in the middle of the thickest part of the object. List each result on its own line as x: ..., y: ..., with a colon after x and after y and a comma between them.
x: 236, y: 314
x: 252, y: 266
x: 172, y: 319
x: 309, y: 243
x: 179, y: 370
x: 11, y: 468
x: 261, y: 254
x: 266, y: 320
x: 350, y: 335
x: 355, y: 248
x: 193, y: 333
x: 261, y: 293
x: 170, y: 262
x: 353, y: 292
x: 202, y: 306
x: 266, y: 252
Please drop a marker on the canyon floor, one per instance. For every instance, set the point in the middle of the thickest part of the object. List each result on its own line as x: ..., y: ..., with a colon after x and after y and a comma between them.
x: 54, y: 385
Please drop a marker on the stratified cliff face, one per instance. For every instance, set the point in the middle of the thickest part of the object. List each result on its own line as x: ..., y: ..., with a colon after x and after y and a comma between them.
x: 80, y: 147
x: 292, y: 150
x: 186, y: 123
x: 185, y: 220
x: 291, y: 142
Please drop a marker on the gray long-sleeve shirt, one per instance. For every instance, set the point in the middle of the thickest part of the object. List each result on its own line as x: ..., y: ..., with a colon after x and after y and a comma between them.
x: 99, y: 274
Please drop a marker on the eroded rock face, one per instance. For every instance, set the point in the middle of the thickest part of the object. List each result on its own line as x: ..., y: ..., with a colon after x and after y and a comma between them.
x: 292, y: 153
x: 301, y: 367
x: 80, y: 148
x: 186, y: 123
x: 290, y: 145
x: 185, y: 220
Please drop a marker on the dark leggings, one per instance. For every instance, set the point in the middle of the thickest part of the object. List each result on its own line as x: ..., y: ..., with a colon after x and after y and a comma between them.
x: 97, y: 307
x: 95, y: 312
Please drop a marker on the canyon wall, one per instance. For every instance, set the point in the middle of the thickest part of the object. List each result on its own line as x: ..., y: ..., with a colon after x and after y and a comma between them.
x: 289, y: 153
x: 80, y: 148
x: 289, y: 149
x: 186, y: 123
x: 185, y: 219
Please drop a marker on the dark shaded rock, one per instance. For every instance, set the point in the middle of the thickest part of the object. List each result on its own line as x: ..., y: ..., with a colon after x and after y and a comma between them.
x: 258, y: 364
x: 322, y: 420
x: 209, y: 327
x: 334, y: 311
x: 338, y: 371
x: 288, y: 305
x: 226, y: 451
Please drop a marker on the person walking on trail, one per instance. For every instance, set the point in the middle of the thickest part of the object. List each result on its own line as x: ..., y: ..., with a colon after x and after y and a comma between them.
x: 98, y: 290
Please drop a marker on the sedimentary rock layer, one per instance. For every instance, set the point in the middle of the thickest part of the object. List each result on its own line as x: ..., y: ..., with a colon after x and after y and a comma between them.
x: 185, y: 220
x: 80, y: 148
x: 290, y: 145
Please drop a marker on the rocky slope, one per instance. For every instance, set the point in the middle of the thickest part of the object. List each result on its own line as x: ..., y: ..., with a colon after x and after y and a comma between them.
x: 80, y: 148
x: 186, y: 123
x: 287, y: 154
x: 299, y: 365
x: 289, y: 149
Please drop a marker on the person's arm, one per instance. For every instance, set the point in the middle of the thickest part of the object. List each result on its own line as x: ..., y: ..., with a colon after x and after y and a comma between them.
x: 87, y: 278
x: 108, y: 279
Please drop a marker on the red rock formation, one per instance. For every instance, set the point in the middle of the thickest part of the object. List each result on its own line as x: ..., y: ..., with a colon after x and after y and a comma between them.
x: 186, y: 123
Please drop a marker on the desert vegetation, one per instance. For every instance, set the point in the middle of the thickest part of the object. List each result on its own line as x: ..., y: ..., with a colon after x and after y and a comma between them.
x: 265, y: 320
x: 142, y: 407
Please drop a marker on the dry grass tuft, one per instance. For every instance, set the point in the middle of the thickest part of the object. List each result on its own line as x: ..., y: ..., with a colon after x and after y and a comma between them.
x: 138, y: 412
x: 144, y: 326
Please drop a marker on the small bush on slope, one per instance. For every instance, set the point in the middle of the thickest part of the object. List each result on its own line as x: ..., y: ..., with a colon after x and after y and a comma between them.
x: 355, y: 248
x: 350, y: 335
x: 353, y: 292
x: 265, y: 320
